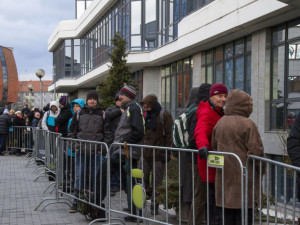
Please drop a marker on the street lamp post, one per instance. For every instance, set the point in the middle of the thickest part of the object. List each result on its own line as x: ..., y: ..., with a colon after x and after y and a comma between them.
x: 30, y: 88
x: 40, y: 73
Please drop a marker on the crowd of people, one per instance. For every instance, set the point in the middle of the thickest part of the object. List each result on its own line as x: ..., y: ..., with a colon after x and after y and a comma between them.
x: 219, y: 122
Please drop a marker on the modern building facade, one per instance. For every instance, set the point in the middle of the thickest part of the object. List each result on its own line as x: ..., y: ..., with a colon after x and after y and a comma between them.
x: 252, y: 45
x: 8, y: 77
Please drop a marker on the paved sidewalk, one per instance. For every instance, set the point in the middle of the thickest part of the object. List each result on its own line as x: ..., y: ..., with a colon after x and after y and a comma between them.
x: 19, y: 196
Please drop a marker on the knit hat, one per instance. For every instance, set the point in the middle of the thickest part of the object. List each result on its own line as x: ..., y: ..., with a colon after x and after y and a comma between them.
x: 18, y: 112
x: 63, y: 100
x: 203, y: 92
x: 149, y: 100
x: 117, y: 97
x: 129, y: 91
x: 218, y: 89
x: 5, y: 111
x: 92, y: 95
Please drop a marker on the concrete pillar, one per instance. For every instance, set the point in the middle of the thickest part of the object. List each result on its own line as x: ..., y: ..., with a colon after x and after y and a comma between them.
x: 152, y: 82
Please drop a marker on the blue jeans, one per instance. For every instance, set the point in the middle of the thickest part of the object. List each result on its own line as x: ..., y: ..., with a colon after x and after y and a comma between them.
x: 2, y: 142
x: 86, y: 167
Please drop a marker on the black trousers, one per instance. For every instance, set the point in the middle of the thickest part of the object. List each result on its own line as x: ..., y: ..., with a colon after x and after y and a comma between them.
x: 215, y: 213
x: 234, y: 216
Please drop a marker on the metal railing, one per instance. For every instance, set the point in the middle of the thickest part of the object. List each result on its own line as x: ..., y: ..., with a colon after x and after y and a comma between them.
x: 84, y: 171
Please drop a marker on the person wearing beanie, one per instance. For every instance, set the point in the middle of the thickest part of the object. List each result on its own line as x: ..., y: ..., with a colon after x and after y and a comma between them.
x: 128, y: 91
x: 64, y: 116
x: 112, y: 118
x: 158, y: 132
x: 208, y: 114
x: 88, y: 124
x: 131, y: 130
x: 5, y: 123
x: 18, y: 124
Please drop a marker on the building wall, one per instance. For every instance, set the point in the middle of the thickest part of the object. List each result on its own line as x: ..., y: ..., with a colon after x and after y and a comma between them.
x: 151, y: 81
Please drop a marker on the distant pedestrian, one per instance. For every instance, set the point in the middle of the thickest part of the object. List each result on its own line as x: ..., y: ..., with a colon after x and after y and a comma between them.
x: 5, y: 123
x: 19, y: 131
x: 48, y: 121
x: 36, y: 119
x: 65, y: 114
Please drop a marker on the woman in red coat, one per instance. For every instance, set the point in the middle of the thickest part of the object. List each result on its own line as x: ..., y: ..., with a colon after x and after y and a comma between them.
x: 208, y: 114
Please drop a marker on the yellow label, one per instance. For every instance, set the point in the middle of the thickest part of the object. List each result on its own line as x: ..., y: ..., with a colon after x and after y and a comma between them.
x: 215, y: 160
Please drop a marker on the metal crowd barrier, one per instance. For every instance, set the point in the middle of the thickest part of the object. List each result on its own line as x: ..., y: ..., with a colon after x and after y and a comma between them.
x: 20, y: 138
x: 84, y: 171
x: 273, y: 202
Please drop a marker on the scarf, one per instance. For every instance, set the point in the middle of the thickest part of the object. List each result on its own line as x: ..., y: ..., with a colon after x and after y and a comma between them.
x: 150, y: 117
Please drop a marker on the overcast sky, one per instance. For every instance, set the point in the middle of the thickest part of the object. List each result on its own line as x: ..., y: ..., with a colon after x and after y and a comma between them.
x: 26, y: 26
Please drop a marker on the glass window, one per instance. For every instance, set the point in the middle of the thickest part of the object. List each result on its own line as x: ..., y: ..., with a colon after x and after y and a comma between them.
x: 231, y: 66
x: 176, y: 84
x: 285, y: 75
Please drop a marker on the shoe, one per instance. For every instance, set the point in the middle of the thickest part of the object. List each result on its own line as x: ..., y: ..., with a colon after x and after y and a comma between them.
x: 126, y: 209
x: 131, y: 219
x: 73, y: 208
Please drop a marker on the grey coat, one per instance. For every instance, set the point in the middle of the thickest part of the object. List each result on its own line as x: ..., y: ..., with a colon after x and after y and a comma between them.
x: 131, y: 128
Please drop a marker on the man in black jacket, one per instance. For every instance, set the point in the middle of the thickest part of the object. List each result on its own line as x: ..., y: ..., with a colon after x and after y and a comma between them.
x: 88, y: 124
x: 5, y: 122
x: 64, y: 116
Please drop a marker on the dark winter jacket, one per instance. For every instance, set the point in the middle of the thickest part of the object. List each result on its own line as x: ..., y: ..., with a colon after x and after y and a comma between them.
x: 293, y: 148
x: 207, y: 117
x: 112, y: 118
x: 5, y: 123
x: 25, y: 110
x: 130, y: 128
x: 20, y: 122
x: 236, y: 133
x: 35, y: 122
x: 156, y: 137
x: 31, y: 116
x: 62, y: 120
x: 88, y: 126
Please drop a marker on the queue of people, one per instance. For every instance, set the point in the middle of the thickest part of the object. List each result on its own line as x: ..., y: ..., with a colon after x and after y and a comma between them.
x: 210, y: 128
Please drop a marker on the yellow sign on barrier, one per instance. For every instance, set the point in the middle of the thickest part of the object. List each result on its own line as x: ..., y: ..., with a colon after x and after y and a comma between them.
x: 215, y: 160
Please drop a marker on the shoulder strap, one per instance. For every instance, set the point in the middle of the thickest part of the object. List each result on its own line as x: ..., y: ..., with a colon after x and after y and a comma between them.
x: 161, y: 114
x: 77, y: 116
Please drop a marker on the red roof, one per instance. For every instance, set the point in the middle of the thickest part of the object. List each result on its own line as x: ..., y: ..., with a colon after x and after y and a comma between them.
x: 23, y: 85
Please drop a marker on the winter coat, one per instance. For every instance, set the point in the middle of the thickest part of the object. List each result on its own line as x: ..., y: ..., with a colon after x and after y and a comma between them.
x: 5, y: 123
x: 293, y: 148
x: 89, y: 125
x: 238, y: 134
x: 19, y: 122
x: 207, y: 117
x: 48, y: 121
x: 131, y: 128
x: 112, y: 118
x: 62, y: 120
x: 78, y: 101
x: 35, y: 122
x: 156, y: 137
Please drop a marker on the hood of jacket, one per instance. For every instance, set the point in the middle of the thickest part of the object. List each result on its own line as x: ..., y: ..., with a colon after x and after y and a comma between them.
x: 192, y: 97
x: 78, y: 101
x: 53, y: 103
x: 238, y: 103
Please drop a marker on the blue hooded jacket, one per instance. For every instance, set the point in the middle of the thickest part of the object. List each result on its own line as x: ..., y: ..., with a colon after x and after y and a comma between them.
x: 78, y: 101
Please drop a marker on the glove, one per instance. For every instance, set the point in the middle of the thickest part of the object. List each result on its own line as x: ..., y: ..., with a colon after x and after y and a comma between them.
x: 203, y: 153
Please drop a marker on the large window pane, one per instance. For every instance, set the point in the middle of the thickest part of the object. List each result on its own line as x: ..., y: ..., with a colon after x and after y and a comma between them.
x: 239, y: 74
x: 229, y: 75
x: 179, y: 91
x: 294, y: 70
x: 248, y: 79
x: 136, y: 17
x: 293, y: 109
x: 186, y: 86
x: 278, y: 72
x: 278, y: 35
x: 294, y: 30
x: 277, y: 115
x: 239, y: 47
x: 209, y: 75
x: 168, y: 90
x: 219, y: 73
